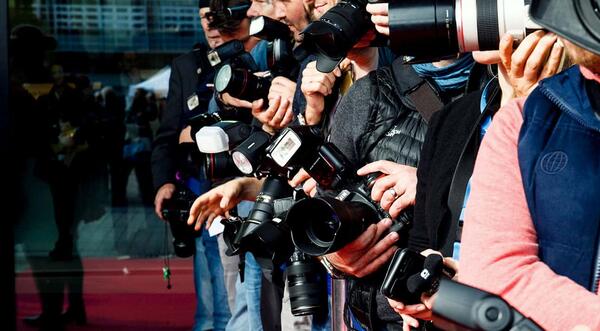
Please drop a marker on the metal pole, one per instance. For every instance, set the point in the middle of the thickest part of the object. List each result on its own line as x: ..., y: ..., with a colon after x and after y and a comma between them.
x: 338, y: 299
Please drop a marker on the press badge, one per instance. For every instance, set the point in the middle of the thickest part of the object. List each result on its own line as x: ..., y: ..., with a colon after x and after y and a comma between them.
x: 193, y: 102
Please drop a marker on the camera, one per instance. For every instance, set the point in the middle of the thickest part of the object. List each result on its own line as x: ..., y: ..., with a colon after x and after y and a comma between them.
x: 411, y: 274
x: 215, y: 141
x: 461, y: 307
x: 336, y: 32
x: 176, y: 211
x: 281, y: 58
x: 242, y: 83
x: 325, y: 224
x: 446, y: 27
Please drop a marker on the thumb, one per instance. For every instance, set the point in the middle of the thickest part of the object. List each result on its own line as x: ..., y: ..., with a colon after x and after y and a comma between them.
x: 224, y: 202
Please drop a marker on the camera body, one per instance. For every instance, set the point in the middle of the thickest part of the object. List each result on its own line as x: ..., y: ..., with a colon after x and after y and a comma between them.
x: 410, y: 274
x: 176, y: 212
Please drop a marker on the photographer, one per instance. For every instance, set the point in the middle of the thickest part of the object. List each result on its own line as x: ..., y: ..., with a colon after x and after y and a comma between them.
x: 531, y: 230
x: 443, y: 147
x: 189, y: 96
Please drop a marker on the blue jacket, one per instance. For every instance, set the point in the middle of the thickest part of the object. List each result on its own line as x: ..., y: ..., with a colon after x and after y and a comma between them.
x: 559, y: 158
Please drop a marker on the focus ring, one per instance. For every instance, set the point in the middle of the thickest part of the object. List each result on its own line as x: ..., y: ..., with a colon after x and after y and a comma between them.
x: 487, y: 25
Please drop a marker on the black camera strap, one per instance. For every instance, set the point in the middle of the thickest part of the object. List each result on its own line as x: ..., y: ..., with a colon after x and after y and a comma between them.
x: 464, y: 169
x: 418, y: 90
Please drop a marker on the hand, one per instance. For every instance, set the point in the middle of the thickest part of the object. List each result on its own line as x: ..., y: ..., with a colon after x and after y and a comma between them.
x: 538, y: 56
x: 411, y: 314
x: 282, y: 87
x: 379, y: 17
x: 315, y: 87
x: 397, y: 190
x: 368, y: 252
x: 165, y: 192
x: 231, y: 101
x: 309, y: 185
x: 276, y: 117
x: 221, y: 199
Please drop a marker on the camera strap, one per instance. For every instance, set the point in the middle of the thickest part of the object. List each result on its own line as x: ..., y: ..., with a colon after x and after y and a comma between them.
x: 464, y: 170
x: 418, y: 90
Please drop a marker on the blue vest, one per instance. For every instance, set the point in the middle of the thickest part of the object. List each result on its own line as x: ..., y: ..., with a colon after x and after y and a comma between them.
x: 559, y: 158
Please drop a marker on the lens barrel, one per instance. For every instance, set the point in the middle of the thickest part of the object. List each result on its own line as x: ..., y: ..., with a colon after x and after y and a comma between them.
x: 324, y: 225
x: 307, y: 285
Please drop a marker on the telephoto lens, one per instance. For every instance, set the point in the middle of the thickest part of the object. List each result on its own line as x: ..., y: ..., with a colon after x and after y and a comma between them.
x: 446, y: 27
x: 176, y: 211
x: 336, y: 32
x: 307, y: 285
x: 258, y: 232
x: 461, y: 307
x: 241, y: 83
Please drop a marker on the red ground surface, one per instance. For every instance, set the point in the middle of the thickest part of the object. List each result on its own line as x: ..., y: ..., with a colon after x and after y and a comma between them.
x: 124, y: 295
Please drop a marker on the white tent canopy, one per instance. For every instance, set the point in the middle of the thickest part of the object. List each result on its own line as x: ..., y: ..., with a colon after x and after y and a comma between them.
x: 157, y: 83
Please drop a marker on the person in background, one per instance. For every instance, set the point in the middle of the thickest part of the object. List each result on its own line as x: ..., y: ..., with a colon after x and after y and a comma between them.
x: 212, y: 307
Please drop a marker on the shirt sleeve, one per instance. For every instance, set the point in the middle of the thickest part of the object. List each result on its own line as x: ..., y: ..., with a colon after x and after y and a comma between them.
x: 499, y: 251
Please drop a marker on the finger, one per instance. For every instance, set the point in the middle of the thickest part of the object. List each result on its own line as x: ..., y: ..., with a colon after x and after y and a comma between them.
x: 538, y: 57
x: 210, y: 220
x: 521, y: 54
x: 289, y: 117
x: 414, y: 309
x: 299, y: 178
x: 309, y: 186
x: 395, y: 304
x: 408, y: 322
x: 506, y: 50
x: 362, y: 242
x: 328, y: 80
x: 280, y: 114
x: 383, y: 30
x: 401, y: 203
x: 195, y: 210
x: 158, y: 208
x: 378, y: 9
x: 315, y: 87
x: 387, y: 167
x: 200, y: 220
x: 379, y: 250
x: 379, y: 20
x: 553, y: 63
x: 451, y: 263
x: 377, y: 263
x: 382, y: 185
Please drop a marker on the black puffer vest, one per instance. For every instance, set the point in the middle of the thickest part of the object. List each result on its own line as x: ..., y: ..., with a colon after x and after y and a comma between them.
x: 395, y: 132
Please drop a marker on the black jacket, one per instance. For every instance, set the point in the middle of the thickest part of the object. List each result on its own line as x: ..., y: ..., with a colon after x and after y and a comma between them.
x: 183, y: 83
x: 449, y: 132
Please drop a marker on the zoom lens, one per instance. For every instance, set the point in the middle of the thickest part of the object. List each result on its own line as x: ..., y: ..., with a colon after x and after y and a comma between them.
x: 445, y: 27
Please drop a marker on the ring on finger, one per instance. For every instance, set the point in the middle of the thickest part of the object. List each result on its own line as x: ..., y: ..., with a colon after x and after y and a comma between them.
x: 393, y: 193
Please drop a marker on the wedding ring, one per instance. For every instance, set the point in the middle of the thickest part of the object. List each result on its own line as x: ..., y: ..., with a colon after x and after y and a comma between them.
x: 393, y: 193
